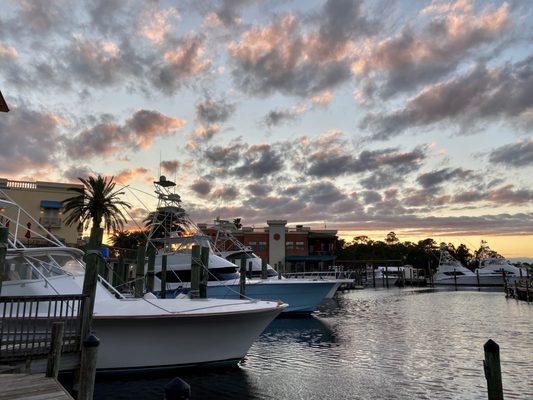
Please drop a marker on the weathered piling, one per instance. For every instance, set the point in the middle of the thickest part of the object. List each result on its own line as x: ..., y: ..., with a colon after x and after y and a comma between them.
x: 195, y: 270
x: 164, y: 260
x: 477, y: 278
x: 4, y: 233
x: 387, y: 276
x: 527, y: 285
x: 204, y: 272
x: 278, y: 266
x: 177, y: 389
x: 242, y: 280
x: 373, y: 276
x: 264, y: 272
x: 493, y: 372
x: 54, y: 356
x: 139, y: 273
x: 90, y: 280
x: 504, y: 277
x: 455, y: 278
x: 88, y: 367
x: 150, y: 272
x: 250, y: 269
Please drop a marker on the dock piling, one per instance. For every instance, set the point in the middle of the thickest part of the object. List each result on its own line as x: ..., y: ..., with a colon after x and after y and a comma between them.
x: 195, y: 271
x: 54, y: 356
x: 527, y: 285
x: 164, y: 260
x: 493, y: 372
x: 250, y: 269
x: 455, y: 278
x: 150, y: 273
x: 477, y: 278
x: 204, y: 272
x: 4, y: 233
x: 88, y: 367
x: 242, y: 280
x: 264, y: 273
x: 139, y: 273
x: 177, y: 389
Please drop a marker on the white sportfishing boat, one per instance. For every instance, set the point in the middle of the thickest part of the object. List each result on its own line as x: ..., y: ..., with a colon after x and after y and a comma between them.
x: 387, y: 276
x: 165, y: 332
x: 451, y: 272
x: 174, y: 233
x: 493, y: 268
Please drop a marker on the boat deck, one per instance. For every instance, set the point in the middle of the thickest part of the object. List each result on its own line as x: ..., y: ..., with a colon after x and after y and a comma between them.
x: 31, y: 387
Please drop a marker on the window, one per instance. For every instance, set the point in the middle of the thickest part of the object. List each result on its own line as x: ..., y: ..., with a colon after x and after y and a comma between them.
x: 299, y: 245
x: 289, y: 245
x: 253, y: 245
x: 262, y: 245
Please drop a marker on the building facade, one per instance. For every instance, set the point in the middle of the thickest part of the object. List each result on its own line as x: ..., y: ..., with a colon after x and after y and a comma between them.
x: 44, y: 202
x: 290, y: 249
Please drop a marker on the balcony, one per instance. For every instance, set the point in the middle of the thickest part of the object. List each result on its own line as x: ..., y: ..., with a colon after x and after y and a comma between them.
x: 50, y: 222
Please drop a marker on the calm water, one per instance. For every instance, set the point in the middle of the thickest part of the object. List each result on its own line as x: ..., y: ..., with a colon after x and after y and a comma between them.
x: 384, y: 344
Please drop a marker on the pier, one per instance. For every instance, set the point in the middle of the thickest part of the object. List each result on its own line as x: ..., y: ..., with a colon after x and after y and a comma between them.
x: 31, y: 387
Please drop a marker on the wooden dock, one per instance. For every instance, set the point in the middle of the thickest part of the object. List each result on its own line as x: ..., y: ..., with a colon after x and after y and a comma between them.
x: 31, y: 387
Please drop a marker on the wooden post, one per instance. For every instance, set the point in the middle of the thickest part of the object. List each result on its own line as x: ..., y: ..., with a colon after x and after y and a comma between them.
x: 90, y: 280
x: 242, y: 280
x: 373, y: 276
x: 4, y: 234
x: 493, y: 372
x: 477, y: 277
x: 88, y: 367
x: 54, y: 356
x: 264, y: 272
x: 504, y: 277
x: 204, y: 272
x: 139, y: 273
x: 278, y: 266
x: 387, y: 276
x: 455, y: 278
x: 151, y: 268
x: 164, y: 258
x: 195, y: 271
x: 250, y: 269
x: 527, y: 284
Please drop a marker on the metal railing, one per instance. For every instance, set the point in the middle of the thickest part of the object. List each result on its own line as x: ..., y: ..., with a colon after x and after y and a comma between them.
x: 26, y: 324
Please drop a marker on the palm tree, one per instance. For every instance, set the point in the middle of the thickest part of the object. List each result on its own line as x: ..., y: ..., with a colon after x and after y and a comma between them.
x: 96, y: 202
x: 164, y: 222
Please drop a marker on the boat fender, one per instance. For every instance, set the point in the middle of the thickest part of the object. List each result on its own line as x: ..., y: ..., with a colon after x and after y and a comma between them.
x: 177, y: 389
x: 149, y: 296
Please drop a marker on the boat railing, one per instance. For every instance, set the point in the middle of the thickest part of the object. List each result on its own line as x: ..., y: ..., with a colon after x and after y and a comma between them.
x: 26, y: 325
x: 318, y: 275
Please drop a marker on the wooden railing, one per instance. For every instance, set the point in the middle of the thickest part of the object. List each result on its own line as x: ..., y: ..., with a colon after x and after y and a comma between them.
x: 26, y: 325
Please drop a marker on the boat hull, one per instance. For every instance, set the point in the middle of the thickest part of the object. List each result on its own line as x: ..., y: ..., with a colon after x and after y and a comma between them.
x: 472, y: 281
x: 172, y: 342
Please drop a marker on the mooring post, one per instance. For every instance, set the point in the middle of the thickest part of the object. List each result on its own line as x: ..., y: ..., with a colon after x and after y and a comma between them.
x: 504, y: 277
x: 477, y: 278
x: 242, y: 280
x: 4, y: 234
x: 150, y: 272
x: 195, y: 271
x: 54, y: 356
x: 250, y: 269
x: 527, y: 285
x: 88, y: 367
x: 164, y: 261
x: 264, y: 272
x: 373, y: 276
x: 204, y: 272
x: 455, y: 278
x: 139, y: 272
x: 493, y: 372
x: 278, y: 268
x: 177, y: 389
x: 90, y: 280
x: 387, y: 276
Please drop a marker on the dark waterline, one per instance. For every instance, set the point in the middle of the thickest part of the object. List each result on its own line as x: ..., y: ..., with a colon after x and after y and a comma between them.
x: 371, y: 344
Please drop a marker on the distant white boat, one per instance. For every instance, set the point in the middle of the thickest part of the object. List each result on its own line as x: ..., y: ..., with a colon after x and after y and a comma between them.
x: 387, y: 276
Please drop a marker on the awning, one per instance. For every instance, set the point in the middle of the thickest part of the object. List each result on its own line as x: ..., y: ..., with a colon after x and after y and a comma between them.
x: 310, y: 258
x: 51, y: 204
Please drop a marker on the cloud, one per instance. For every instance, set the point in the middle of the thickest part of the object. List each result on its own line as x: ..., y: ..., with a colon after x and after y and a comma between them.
x: 107, y: 137
x: 29, y: 139
x: 259, y: 161
x: 437, y: 177
x: 127, y: 175
x: 514, y: 155
x: 286, y: 57
x: 74, y: 172
x: 323, y: 99
x: 206, y: 132
x: 170, y: 166
x: 480, y: 95
x: 157, y: 24
x: 228, y: 192
x: 259, y: 189
x: 181, y: 61
x: 507, y: 195
x: 201, y: 186
x: 412, y: 57
x: 280, y: 116
x: 211, y: 111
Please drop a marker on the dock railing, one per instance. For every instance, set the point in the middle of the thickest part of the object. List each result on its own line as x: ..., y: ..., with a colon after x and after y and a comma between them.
x: 26, y: 325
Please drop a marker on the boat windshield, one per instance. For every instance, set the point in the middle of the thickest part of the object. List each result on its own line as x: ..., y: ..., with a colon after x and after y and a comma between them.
x: 27, y: 265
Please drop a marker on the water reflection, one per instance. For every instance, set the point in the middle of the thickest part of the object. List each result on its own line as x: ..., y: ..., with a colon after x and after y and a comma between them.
x: 371, y: 344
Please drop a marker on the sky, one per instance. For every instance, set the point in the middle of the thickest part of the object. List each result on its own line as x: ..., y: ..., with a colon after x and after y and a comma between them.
x: 362, y: 116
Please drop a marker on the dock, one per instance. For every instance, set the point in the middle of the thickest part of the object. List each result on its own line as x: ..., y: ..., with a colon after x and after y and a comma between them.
x: 31, y: 387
